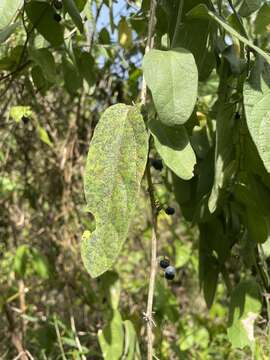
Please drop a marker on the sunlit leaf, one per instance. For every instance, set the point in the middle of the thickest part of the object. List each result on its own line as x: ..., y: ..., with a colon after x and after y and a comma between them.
x: 245, y: 307
x: 172, y: 77
x: 115, y: 166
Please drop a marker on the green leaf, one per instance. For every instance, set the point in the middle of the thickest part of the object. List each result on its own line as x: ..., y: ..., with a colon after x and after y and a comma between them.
x: 45, y: 59
x: 245, y: 306
x: 257, y: 108
x: 132, y: 349
x: 182, y: 254
x: 172, y: 77
x: 73, y: 11
x: 111, y: 338
x: 43, y: 135
x: 72, y: 78
x: 258, y: 226
x: 41, y: 16
x: 201, y: 11
x: 7, y: 32
x: 174, y: 147
x: 262, y: 21
x: 224, y: 159
x: 20, y: 260
x: 17, y: 112
x: 114, y: 169
x: 8, y: 10
x: 40, y: 264
x: 86, y: 66
x: 124, y: 34
x: 249, y: 6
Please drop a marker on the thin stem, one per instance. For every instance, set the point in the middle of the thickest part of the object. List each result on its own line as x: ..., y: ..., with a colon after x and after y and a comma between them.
x: 149, y: 43
x: 151, y: 288
x: 178, y: 22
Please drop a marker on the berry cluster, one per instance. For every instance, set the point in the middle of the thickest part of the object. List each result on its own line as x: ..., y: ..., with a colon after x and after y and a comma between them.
x: 170, y: 271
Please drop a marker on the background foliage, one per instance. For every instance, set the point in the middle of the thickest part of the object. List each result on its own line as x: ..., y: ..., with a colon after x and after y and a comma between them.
x: 63, y: 63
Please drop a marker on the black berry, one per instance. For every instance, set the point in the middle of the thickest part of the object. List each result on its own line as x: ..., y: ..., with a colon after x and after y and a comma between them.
x: 170, y: 210
x: 164, y: 263
x: 57, y: 4
x: 237, y: 115
x: 25, y: 120
x: 170, y: 273
x: 157, y: 164
x: 57, y: 17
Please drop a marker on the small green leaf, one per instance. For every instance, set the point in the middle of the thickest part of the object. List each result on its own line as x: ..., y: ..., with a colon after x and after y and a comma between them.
x: 73, y: 11
x: 245, y: 307
x: 114, y: 169
x: 45, y: 59
x: 40, y: 264
x: 257, y: 108
x: 21, y: 259
x: 172, y: 77
x: 174, y: 147
x: 17, y: 112
x: 111, y: 338
x: 86, y: 66
x: 124, y: 34
x: 249, y: 6
x: 43, y: 135
x: 72, y: 78
x: 8, y: 10
x: 41, y: 15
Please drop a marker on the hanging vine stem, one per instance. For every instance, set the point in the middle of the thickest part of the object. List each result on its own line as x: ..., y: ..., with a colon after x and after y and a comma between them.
x: 148, y: 315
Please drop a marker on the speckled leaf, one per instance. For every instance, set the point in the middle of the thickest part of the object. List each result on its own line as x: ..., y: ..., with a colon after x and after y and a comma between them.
x: 114, y: 169
x: 174, y: 147
x: 172, y: 77
x: 245, y: 306
x: 257, y: 108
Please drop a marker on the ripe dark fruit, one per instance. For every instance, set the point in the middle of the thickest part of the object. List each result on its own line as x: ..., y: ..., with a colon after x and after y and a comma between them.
x: 164, y: 263
x: 170, y: 210
x: 57, y: 17
x: 25, y: 120
x: 57, y: 4
x: 170, y: 273
x: 157, y: 164
x: 237, y: 115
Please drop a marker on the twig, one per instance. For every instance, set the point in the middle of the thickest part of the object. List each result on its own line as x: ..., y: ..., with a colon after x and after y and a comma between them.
x: 151, y: 289
x: 59, y: 339
x: 148, y: 315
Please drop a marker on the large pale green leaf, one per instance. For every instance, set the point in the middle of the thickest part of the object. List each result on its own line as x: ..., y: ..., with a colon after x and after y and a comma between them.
x: 172, y: 77
x: 249, y: 6
x: 8, y: 10
x: 111, y: 338
x: 115, y: 166
x: 245, y: 306
x: 73, y: 11
x: 174, y: 147
x: 257, y: 108
x: 41, y: 15
x: 201, y: 11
